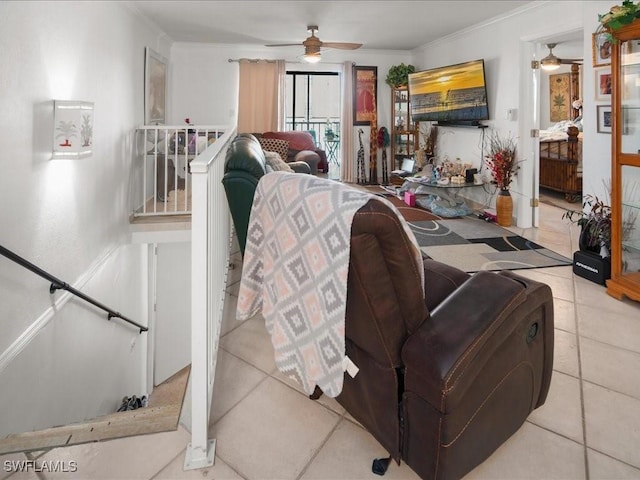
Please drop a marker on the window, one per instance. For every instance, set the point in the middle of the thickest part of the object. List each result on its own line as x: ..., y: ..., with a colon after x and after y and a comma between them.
x: 312, y: 102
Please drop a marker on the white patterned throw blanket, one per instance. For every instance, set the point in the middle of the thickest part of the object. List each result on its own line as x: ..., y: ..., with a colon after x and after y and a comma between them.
x: 295, y: 270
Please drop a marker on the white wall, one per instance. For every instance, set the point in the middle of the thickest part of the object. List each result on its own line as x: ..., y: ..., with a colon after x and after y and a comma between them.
x: 596, y: 147
x: 501, y: 45
x: 69, y: 216
x: 172, y: 333
x: 205, y: 83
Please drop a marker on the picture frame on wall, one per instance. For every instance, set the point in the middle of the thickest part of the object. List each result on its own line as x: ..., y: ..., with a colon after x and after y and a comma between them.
x: 365, y: 94
x: 73, y: 129
x: 603, y: 84
x: 605, y: 118
x: 559, y: 97
x: 601, y: 48
x: 155, y: 88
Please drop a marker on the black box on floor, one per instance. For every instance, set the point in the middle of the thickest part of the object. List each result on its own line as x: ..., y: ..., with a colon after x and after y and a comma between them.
x: 592, y: 266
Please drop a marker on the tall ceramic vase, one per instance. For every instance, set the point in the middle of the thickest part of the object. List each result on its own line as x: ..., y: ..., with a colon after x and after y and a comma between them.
x: 504, y: 208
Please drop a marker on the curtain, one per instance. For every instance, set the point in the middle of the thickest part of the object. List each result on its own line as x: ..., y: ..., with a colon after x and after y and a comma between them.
x: 282, y: 74
x: 348, y: 168
x: 261, y: 97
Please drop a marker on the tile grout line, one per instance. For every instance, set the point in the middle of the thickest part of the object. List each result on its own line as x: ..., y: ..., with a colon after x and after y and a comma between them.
x: 581, y: 382
x: 321, y: 446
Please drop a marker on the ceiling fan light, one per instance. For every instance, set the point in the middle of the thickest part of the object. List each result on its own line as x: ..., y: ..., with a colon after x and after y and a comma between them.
x: 311, y: 57
x: 550, y: 64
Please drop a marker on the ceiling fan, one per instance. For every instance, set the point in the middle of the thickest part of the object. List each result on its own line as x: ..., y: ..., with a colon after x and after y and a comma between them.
x: 313, y: 44
x: 551, y: 62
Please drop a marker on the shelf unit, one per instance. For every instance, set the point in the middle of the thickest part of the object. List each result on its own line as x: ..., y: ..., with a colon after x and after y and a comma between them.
x: 625, y: 164
x: 404, y: 132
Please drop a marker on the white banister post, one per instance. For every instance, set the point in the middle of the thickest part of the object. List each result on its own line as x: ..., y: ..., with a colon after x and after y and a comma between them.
x: 209, y: 263
x: 201, y: 450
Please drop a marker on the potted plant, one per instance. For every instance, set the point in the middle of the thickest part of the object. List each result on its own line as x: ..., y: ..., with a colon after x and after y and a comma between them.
x: 620, y: 15
x: 595, y: 225
x: 398, y: 75
x: 501, y: 161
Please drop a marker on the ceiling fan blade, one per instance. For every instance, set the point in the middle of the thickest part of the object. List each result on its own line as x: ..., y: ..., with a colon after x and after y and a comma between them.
x: 284, y: 45
x: 342, y: 45
x: 571, y: 60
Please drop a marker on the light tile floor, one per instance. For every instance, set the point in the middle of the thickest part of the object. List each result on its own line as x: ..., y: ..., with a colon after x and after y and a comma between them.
x: 266, y: 428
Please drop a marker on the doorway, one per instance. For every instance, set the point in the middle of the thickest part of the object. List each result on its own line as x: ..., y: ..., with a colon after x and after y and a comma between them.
x: 544, y: 115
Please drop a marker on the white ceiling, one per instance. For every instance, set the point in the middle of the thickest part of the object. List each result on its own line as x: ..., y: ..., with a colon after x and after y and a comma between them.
x: 378, y: 25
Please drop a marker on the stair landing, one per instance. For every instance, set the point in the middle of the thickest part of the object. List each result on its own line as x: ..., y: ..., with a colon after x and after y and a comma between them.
x: 161, y: 415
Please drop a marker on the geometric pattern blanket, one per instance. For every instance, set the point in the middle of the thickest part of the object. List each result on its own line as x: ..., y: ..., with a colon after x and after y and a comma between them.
x: 295, y: 269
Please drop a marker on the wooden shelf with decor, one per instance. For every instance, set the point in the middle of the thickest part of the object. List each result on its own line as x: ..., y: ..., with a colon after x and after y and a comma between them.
x: 625, y: 163
x: 404, y: 132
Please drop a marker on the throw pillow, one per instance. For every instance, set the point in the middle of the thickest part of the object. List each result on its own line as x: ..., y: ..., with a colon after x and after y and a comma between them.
x: 298, y: 140
x: 275, y: 162
x: 281, y: 147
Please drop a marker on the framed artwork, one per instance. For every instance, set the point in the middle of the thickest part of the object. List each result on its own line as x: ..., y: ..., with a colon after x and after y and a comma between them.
x: 73, y: 129
x: 559, y: 97
x: 604, y: 118
x: 155, y: 88
x: 603, y: 84
x: 365, y: 94
x: 601, y: 48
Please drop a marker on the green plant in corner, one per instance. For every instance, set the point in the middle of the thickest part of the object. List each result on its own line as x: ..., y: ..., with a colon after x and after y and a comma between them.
x: 595, y: 225
x: 398, y: 75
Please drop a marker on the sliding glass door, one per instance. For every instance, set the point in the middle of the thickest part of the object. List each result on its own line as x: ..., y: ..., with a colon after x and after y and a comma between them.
x: 312, y: 103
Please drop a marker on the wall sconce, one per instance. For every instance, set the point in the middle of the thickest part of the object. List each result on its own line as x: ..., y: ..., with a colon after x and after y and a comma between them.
x: 72, y: 129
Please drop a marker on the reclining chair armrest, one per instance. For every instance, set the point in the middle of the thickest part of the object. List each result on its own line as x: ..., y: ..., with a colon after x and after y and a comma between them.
x: 440, y: 281
x: 300, y: 167
x: 240, y: 188
x: 443, y: 355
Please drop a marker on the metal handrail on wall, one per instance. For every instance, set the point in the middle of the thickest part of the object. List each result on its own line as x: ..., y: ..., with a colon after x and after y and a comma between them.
x: 57, y: 284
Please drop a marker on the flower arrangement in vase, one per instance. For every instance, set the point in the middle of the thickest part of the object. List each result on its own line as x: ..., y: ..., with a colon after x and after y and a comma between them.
x: 502, y: 163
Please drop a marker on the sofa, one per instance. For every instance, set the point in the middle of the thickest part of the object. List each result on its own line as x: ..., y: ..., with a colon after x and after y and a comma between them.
x: 245, y: 164
x: 296, y: 146
x: 446, y: 373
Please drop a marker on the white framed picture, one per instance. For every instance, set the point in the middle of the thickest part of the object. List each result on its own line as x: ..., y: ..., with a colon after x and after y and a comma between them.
x: 155, y: 88
x: 604, y: 118
x: 601, y: 48
x: 603, y: 84
x: 73, y: 129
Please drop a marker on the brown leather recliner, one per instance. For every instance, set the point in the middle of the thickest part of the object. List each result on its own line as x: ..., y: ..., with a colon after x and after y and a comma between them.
x: 446, y: 376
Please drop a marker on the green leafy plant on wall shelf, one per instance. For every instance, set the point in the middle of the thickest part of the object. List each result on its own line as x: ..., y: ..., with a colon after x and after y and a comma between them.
x: 619, y: 15
x: 398, y: 75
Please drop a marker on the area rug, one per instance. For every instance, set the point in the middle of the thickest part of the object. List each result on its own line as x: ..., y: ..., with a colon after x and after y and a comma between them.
x: 472, y: 245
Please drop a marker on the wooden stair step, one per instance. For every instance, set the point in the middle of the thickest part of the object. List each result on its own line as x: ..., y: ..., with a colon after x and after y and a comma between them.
x: 161, y: 415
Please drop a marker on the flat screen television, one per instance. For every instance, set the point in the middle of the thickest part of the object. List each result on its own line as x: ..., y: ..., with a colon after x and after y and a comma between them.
x: 455, y: 94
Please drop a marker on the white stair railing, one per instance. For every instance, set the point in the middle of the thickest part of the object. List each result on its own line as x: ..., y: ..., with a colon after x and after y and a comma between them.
x: 210, y: 242
x: 165, y: 153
